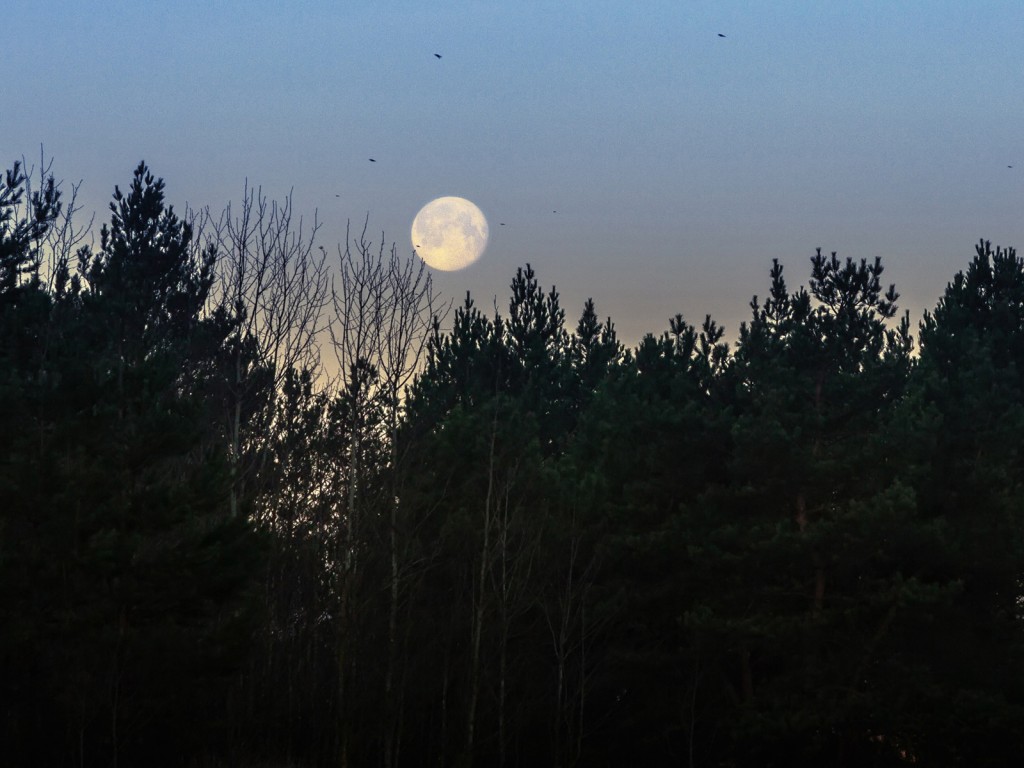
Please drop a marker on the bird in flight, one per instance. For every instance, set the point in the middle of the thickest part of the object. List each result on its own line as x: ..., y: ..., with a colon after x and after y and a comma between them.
x: 372, y: 160
x: 437, y: 55
x: 720, y: 34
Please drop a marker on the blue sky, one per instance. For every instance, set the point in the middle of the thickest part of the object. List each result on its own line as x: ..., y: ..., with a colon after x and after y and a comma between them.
x: 680, y: 163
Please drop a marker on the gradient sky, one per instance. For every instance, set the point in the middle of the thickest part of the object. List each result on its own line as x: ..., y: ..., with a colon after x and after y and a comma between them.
x: 680, y: 162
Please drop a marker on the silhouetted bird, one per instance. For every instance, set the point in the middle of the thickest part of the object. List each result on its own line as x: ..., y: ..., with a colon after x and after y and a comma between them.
x: 502, y: 224
x: 720, y: 34
x: 438, y: 55
x: 372, y: 160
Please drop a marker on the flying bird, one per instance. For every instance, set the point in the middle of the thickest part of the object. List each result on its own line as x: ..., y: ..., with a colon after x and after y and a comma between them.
x: 502, y: 224
x: 720, y: 34
x: 372, y: 160
x: 437, y: 55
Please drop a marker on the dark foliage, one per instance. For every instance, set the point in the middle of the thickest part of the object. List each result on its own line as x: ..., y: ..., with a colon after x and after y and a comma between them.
x: 553, y: 550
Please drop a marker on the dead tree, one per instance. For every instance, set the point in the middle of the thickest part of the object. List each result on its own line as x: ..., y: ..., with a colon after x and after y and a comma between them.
x: 275, y: 283
x: 384, y: 307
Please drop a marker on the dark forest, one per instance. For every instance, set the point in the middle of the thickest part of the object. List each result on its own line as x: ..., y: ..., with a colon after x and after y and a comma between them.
x: 261, y: 506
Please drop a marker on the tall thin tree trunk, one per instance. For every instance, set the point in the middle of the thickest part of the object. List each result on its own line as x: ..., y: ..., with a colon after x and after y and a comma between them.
x: 746, y: 676
x: 583, y: 676
x: 693, y: 704
x: 559, y: 699
x: 348, y: 572
x: 503, y: 650
x: 389, y: 675
x: 115, y: 713
x: 342, y: 692
x: 236, y: 439
x: 478, y: 612
x: 393, y: 715
x: 444, y: 710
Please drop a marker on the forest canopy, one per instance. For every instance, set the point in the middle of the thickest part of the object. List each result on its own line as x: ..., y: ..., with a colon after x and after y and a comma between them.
x: 491, y: 539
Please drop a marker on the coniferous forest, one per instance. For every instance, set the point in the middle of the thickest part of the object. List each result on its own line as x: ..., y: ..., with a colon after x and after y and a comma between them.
x: 265, y: 505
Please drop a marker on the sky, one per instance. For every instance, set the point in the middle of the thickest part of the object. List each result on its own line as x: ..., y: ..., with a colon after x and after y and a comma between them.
x: 680, y: 163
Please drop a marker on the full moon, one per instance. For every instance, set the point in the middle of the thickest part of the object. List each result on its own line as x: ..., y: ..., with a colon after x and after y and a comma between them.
x: 449, y: 233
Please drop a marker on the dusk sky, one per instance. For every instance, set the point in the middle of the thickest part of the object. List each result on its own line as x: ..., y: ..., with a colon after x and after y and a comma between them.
x: 679, y: 162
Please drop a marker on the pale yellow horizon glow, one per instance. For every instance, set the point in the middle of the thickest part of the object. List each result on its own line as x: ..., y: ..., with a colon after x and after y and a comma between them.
x: 449, y: 233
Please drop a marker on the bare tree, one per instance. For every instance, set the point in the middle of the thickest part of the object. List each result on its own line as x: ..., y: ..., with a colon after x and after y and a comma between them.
x: 516, y: 547
x: 571, y: 632
x: 276, y: 278
x: 275, y: 282
x: 54, y: 245
x: 480, y: 594
x: 384, y: 310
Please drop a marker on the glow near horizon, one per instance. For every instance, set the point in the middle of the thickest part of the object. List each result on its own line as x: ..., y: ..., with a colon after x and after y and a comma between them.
x: 680, y: 163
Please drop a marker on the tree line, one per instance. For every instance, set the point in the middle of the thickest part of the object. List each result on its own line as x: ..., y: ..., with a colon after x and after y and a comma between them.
x: 491, y: 538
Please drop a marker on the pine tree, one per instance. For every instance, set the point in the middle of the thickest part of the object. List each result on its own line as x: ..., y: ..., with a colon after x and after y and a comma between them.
x: 655, y: 437
x: 967, y: 416
x: 808, y: 558
x: 134, y: 617
x: 27, y: 382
